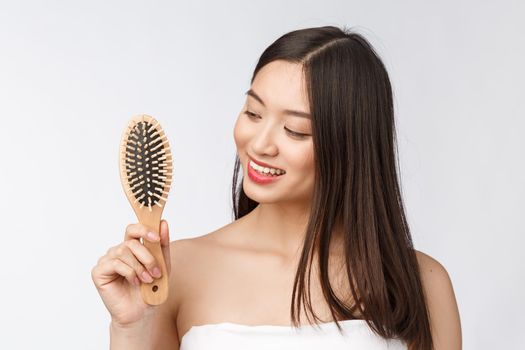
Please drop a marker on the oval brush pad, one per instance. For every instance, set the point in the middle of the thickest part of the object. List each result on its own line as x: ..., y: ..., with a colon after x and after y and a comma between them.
x: 146, y: 169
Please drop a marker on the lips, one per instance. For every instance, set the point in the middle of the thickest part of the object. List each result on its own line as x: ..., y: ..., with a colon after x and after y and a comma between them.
x: 266, y: 165
x: 262, y: 179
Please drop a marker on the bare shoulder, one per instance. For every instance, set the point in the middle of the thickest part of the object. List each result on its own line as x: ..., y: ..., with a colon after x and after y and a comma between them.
x: 427, y: 262
x: 195, y: 256
x: 185, y: 258
x: 442, y: 305
x: 194, y: 262
x: 165, y: 333
x: 185, y: 254
x: 189, y: 253
x: 182, y: 258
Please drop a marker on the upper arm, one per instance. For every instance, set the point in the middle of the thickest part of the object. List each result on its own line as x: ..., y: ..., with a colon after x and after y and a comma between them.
x: 165, y: 334
x: 443, y: 309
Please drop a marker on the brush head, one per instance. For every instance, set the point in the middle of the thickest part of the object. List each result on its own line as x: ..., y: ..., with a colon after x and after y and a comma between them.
x: 146, y: 164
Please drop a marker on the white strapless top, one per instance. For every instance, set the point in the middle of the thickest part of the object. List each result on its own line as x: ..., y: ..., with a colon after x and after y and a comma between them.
x: 232, y: 336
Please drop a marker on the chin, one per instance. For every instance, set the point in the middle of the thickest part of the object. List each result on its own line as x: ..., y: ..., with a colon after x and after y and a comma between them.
x: 261, y: 195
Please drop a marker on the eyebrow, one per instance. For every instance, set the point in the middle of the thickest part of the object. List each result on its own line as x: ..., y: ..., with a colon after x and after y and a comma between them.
x: 252, y: 93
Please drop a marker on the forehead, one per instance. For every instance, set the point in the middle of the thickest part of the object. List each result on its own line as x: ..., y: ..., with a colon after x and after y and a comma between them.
x: 281, y: 86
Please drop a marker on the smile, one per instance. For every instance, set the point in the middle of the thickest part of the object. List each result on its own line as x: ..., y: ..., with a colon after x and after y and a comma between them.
x: 266, y: 170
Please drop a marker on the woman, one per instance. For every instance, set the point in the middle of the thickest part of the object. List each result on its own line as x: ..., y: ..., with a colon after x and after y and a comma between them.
x: 319, y: 198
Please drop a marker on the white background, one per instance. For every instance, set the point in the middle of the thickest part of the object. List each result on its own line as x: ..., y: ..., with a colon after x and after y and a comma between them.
x: 73, y: 73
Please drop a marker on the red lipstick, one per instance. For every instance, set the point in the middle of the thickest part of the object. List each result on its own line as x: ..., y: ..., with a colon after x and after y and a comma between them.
x: 259, y: 178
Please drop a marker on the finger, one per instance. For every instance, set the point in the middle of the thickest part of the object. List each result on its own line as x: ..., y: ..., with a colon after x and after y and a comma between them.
x: 110, y: 270
x: 164, y: 233
x: 140, y: 259
x: 137, y: 256
x: 136, y: 231
x: 165, y: 244
x: 110, y: 254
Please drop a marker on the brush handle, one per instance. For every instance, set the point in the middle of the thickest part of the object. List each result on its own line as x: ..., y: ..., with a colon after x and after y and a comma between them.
x: 156, y: 292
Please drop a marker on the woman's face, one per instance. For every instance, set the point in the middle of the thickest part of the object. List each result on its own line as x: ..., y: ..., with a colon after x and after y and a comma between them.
x: 267, y: 130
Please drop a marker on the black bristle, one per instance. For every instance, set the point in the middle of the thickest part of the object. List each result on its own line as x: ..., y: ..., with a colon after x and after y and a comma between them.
x: 146, y: 174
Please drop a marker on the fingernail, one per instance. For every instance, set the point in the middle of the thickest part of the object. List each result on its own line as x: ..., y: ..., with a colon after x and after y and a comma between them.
x: 152, y: 236
x: 146, y: 276
x: 156, y: 272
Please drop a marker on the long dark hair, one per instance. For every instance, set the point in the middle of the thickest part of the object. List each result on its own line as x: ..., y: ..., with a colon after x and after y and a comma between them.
x: 356, y: 185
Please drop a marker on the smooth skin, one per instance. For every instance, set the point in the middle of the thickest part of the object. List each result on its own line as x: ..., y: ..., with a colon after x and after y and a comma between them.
x: 243, y: 272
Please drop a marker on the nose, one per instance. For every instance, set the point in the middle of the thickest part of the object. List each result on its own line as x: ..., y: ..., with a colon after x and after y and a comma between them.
x: 263, y: 142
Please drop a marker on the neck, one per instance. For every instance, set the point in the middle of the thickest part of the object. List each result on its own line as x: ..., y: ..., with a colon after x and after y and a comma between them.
x: 279, y: 229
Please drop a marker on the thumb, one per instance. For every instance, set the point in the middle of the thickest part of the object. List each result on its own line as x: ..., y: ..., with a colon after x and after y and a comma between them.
x: 165, y: 243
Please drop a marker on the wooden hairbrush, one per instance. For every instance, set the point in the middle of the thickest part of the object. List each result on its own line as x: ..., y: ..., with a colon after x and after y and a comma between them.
x: 146, y: 168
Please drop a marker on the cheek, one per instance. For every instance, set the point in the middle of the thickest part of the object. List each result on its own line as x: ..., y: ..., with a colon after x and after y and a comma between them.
x: 310, y: 162
x: 309, y: 165
x: 239, y: 133
x: 305, y: 159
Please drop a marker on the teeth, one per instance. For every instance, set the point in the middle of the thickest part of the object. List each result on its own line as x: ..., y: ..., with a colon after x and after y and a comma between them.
x: 265, y: 170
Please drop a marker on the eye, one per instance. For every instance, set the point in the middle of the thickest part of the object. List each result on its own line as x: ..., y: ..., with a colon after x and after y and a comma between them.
x: 250, y: 114
x: 295, y: 134
x: 291, y: 132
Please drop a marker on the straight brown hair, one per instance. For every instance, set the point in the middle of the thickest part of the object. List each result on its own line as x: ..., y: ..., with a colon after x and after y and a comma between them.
x: 356, y: 185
